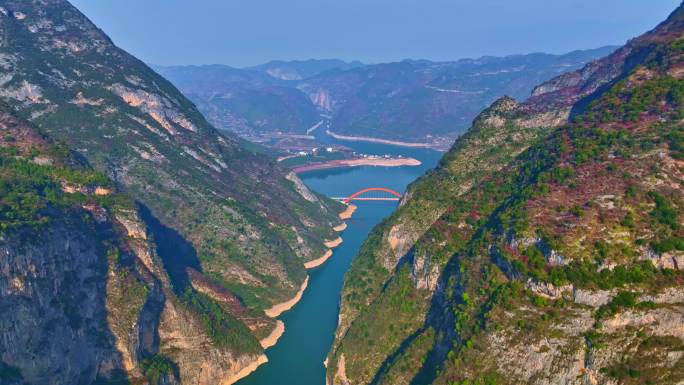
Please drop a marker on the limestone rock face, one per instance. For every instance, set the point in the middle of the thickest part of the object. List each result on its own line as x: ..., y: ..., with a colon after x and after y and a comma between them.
x: 85, y: 297
x: 301, y: 187
x: 539, y: 251
x: 206, y: 207
x: 182, y: 339
x: 71, y: 313
x: 568, y: 358
x: 52, y: 295
x: 234, y: 208
x: 75, y: 308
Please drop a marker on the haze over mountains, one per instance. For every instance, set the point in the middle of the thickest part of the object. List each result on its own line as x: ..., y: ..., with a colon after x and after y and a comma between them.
x: 415, y: 101
x: 302, y: 69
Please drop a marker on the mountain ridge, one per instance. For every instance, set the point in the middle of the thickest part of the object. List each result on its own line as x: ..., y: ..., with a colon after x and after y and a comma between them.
x: 224, y: 252
x: 302, y: 69
x: 522, y: 257
x: 409, y: 101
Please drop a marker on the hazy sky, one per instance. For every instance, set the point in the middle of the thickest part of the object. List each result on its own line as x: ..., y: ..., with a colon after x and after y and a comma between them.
x: 246, y: 32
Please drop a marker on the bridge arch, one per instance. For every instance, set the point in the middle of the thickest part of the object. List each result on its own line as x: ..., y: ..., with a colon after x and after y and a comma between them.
x: 366, y: 190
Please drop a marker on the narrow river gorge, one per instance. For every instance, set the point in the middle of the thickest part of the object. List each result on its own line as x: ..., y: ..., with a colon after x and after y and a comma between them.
x: 297, y: 358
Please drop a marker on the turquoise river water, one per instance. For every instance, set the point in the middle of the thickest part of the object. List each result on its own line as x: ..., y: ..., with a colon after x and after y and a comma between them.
x: 298, y: 357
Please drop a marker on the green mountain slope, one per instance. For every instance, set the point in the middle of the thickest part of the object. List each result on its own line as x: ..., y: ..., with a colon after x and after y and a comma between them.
x: 233, y: 229
x: 81, y: 295
x: 70, y: 81
x: 430, y: 102
x: 85, y: 296
x: 541, y: 250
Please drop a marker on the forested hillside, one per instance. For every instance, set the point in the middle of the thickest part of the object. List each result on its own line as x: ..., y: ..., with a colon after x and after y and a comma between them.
x: 231, y: 228
x: 547, y: 246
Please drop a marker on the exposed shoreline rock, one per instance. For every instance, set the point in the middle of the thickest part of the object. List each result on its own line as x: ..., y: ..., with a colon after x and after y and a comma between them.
x: 333, y: 243
x: 246, y: 371
x: 358, y: 162
x: 348, y: 212
x: 281, y: 308
x: 275, y: 335
x: 318, y: 262
x: 341, y: 227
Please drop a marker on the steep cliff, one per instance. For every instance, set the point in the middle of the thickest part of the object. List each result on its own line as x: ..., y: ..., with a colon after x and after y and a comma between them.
x: 66, y: 77
x: 232, y: 229
x: 547, y: 240
x: 80, y: 298
x: 84, y: 294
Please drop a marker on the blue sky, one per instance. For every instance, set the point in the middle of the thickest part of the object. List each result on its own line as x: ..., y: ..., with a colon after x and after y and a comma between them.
x: 246, y: 32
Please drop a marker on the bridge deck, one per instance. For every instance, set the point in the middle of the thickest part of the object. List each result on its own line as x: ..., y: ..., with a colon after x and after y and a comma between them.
x: 365, y: 199
x: 357, y: 196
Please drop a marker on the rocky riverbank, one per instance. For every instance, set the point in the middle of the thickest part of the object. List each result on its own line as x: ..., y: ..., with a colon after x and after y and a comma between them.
x: 275, y: 335
x: 281, y: 308
x: 278, y: 309
x: 246, y: 371
x: 330, y: 245
x: 348, y: 212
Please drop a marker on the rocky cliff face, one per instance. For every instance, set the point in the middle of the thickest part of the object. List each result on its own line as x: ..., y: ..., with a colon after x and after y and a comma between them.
x: 80, y: 298
x: 67, y: 78
x: 85, y: 296
x: 58, y: 286
x: 204, y: 244
x: 538, y: 251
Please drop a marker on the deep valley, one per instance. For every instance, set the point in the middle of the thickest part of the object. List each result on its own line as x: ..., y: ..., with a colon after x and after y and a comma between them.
x: 495, y: 221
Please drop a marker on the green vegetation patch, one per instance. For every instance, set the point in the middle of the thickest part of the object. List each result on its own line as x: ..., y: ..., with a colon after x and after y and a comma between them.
x: 28, y: 189
x: 158, y: 367
x: 223, y: 329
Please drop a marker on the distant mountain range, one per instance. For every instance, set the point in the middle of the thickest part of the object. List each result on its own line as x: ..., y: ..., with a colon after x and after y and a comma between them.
x: 303, y: 69
x: 415, y: 101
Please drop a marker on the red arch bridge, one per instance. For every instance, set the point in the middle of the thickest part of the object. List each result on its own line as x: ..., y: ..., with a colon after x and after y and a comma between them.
x: 371, y: 194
